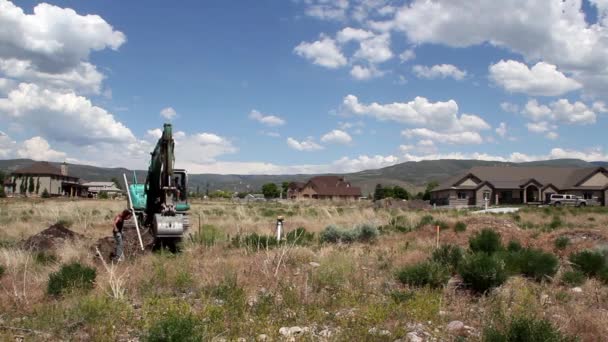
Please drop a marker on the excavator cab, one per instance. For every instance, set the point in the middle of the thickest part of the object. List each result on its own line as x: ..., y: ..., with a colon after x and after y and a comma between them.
x: 180, y: 182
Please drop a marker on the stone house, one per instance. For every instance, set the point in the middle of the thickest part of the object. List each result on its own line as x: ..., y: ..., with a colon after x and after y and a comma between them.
x: 32, y: 180
x: 324, y: 187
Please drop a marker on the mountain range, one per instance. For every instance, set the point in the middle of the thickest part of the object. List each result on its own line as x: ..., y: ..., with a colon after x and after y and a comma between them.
x: 410, y: 175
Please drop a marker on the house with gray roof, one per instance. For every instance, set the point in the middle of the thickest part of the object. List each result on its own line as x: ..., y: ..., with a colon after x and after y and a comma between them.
x: 34, y: 179
x: 521, y: 185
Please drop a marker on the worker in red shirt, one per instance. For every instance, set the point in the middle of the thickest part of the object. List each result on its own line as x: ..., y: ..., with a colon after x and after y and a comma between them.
x: 118, y: 224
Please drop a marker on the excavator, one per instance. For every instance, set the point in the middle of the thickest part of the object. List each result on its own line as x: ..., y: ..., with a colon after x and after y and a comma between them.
x: 161, y: 203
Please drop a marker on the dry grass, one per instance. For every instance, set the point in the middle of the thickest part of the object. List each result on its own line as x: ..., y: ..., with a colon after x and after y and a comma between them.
x: 344, y: 290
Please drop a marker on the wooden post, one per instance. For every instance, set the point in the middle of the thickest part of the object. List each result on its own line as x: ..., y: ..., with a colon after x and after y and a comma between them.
x: 437, y: 228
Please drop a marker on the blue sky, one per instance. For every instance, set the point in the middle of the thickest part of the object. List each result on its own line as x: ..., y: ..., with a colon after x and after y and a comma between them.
x: 281, y: 86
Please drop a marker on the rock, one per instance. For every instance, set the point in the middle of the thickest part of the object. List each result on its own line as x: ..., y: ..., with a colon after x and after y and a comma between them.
x: 412, y: 337
x: 576, y: 289
x: 384, y: 332
x: 262, y: 338
x: 284, y: 331
x: 291, y: 331
x: 455, y: 327
x: 325, y: 333
x: 314, y: 264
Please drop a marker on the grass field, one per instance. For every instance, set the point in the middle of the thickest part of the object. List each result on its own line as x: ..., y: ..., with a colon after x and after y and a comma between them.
x: 355, y: 281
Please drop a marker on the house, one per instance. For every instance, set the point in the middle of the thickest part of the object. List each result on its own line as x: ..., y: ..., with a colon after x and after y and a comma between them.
x: 95, y: 188
x: 34, y: 179
x: 521, y: 185
x: 324, y: 187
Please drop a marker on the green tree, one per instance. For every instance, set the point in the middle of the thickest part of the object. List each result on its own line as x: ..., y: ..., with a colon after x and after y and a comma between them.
x: 285, y: 187
x: 378, y: 192
x: 270, y: 190
x: 427, y: 192
x: 31, y: 187
x: 116, y: 182
x: 401, y: 193
x: 22, y: 185
x: 2, y: 176
x: 45, y: 193
x: 103, y: 195
x: 38, y: 185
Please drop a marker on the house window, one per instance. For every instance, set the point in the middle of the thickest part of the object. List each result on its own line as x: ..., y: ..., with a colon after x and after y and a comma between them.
x: 462, y: 195
x: 588, y: 195
x: 486, y: 195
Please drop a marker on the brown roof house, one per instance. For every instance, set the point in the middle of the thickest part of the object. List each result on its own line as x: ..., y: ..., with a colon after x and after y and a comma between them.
x: 324, y: 187
x: 521, y: 185
x: 32, y: 180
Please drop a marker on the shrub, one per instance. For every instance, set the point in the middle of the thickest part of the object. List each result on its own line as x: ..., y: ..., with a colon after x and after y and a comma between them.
x: 428, y: 273
x: 174, y: 327
x: 207, y: 235
x: 588, y: 262
x: 573, y: 278
x: 602, y: 275
x: 361, y: 233
x: 1, y: 271
x: 45, y: 194
x: 441, y: 224
x: 556, y: 222
x: 481, y: 272
x: 401, y: 224
x: 300, y: 236
x: 450, y: 255
x: 402, y: 296
x: 534, y: 263
x: 514, y: 246
x: 330, y: 234
x: 45, y: 258
x: 71, y: 277
x: 460, y: 227
x: 525, y: 329
x: 561, y: 242
x: 66, y: 222
x: 254, y: 240
x: 487, y: 241
x: 366, y: 233
x: 425, y: 220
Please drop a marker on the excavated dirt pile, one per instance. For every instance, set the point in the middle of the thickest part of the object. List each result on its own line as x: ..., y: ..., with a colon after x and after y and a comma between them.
x: 50, y: 238
x: 131, y: 249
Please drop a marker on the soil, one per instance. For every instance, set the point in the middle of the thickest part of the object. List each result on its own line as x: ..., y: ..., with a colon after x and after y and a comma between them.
x: 132, y: 248
x: 50, y: 238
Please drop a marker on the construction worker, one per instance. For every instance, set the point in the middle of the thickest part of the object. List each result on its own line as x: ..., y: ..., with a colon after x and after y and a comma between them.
x: 119, y: 222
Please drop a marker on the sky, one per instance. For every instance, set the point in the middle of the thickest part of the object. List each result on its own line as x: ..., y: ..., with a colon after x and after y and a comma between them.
x: 303, y: 86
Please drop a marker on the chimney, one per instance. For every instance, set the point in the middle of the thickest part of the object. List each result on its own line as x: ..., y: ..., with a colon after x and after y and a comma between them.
x: 64, y: 169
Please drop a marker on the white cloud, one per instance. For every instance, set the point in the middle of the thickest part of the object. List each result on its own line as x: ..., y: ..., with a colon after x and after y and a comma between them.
x: 154, y: 133
x: 459, y: 138
x: 304, y: 145
x: 418, y: 112
x: 38, y: 148
x: 268, y: 120
x: 376, y: 49
x: 407, y: 55
x: 501, y: 130
x: 509, y: 107
x: 327, y: 9
x: 365, y: 73
x: 62, y: 116
x: 561, y: 111
x: 426, y: 146
x: 540, y: 127
x: 555, y: 32
x: 168, y: 113
x: 542, y: 79
x: 439, y: 71
x: 323, y: 52
x: 348, y: 34
x: 551, y: 135
x: 7, y: 145
x: 337, y: 137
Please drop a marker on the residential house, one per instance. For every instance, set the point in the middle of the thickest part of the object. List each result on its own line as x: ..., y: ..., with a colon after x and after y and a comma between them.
x: 34, y: 179
x: 95, y: 188
x: 520, y: 185
x: 324, y: 187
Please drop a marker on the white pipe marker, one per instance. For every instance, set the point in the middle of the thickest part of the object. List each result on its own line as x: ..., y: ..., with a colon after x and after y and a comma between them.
x: 141, y: 243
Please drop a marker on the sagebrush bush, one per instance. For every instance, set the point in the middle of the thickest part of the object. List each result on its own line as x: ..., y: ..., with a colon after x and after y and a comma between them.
x: 428, y: 273
x: 482, y: 272
x: 425, y: 220
x: 573, y: 278
x: 514, y: 246
x: 174, y: 327
x: 527, y: 329
x: 588, y: 262
x: 361, y: 233
x: 366, y: 233
x: 449, y: 255
x: 330, y: 234
x: 300, y: 237
x: 486, y: 240
x: 441, y: 224
x: 533, y: 263
x: 556, y: 222
x: 255, y: 240
x: 460, y: 227
x: 561, y: 242
x: 401, y: 224
x: 71, y: 277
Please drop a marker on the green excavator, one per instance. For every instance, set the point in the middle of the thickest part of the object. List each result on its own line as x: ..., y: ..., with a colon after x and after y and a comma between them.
x: 161, y: 203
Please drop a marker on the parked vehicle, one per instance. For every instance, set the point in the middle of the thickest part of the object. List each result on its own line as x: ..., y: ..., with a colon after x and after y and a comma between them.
x: 564, y: 199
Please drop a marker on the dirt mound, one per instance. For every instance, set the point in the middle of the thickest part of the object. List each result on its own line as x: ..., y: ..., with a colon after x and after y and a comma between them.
x: 50, y: 238
x: 131, y: 249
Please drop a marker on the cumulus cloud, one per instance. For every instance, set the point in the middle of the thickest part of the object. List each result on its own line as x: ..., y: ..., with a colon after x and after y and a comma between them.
x: 323, y: 52
x: 542, y: 79
x: 540, y: 127
x: 348, y: 34
x: 407, y: 55
x: 38, y: 148
x: 376, y: 49
x: 327, y: 9
x: 501, y: 130
x: 439, y: 71
x: 561, y: 111
x: 304, y: 145
x: 509, y: 107
x: 62, y: 116
x: 168, y: 113
x: 459, y: 138
x: 418, y: 112
x: 268, y: 120
x: 559, y: 34
x: 337, y: 136
x: 365, y: 73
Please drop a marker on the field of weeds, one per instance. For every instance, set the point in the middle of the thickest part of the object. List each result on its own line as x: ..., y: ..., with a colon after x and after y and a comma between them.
x: 345, y: 271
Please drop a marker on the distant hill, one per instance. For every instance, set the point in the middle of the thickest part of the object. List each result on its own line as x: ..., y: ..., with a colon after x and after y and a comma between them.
x: 410, y: 175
